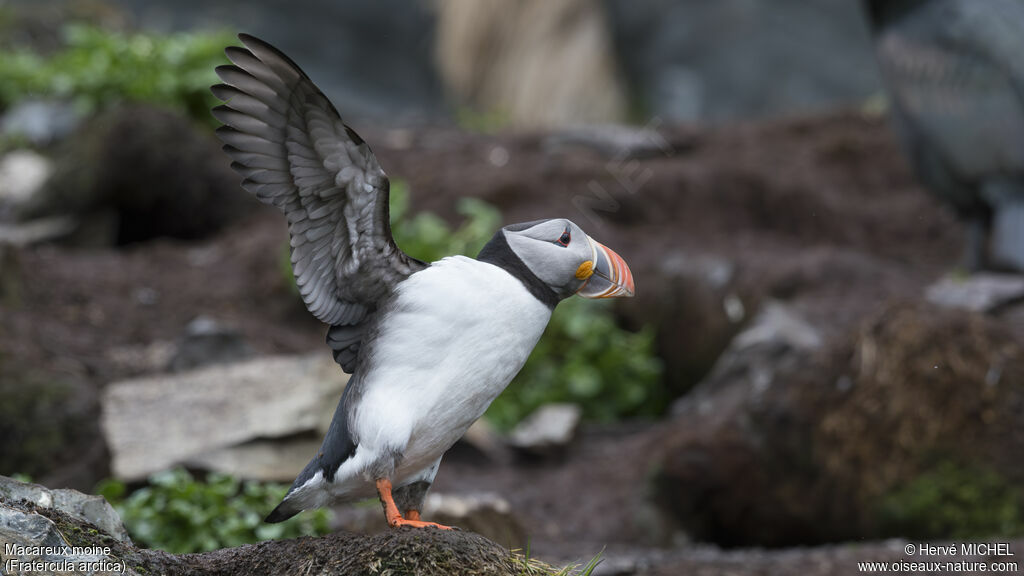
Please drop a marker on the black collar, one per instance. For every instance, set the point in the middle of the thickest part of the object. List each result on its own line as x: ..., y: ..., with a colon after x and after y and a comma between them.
x: 498, y: 252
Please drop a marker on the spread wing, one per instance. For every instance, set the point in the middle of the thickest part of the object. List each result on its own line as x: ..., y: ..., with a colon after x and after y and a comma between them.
x: 293, y: 151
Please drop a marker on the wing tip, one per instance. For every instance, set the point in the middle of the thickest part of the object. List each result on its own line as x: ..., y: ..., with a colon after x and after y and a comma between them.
x: 223, y: 92
x: 246, y: 38
x: 225, y: 130
x: 225, y: 71
x: 233, y: 52
x: 280, y: 513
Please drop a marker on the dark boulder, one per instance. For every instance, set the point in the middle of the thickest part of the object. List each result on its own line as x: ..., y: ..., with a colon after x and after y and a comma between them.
x: 910, y: 426
x: 49, y: 423
x: 136, y: 172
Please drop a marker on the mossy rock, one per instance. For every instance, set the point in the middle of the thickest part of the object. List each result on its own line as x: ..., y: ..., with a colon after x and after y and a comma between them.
x: 49, y: 423
x: 935, y: 399
x: 951, y: 500
x: 404, y: 551
x: 908, y: 427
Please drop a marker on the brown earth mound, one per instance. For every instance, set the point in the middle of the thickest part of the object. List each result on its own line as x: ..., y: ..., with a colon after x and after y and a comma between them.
x: 136, y: 173
x: 910, y: 428
x: 426, y: 552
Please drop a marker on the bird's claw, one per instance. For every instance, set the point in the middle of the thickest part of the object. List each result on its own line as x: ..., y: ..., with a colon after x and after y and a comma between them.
x: 397, y: 522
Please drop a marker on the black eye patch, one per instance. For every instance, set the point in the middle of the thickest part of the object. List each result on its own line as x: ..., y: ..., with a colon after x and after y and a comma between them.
x: 564, y: 239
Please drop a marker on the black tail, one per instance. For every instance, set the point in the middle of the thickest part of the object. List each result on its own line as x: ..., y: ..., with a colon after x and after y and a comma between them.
x: 281, y: 513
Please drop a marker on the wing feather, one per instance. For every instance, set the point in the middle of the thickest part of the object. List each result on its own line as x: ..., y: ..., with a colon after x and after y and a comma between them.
x: 293, y: 151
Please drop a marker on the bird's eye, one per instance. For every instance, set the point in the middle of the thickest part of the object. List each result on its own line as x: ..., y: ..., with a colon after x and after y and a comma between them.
x: 564, y: 239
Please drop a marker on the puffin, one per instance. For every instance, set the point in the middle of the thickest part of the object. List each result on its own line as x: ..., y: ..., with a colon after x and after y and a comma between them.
x: 954, y: 70
x: 428, y: 345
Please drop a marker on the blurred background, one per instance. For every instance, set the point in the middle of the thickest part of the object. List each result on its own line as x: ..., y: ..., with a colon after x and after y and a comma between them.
x: 822, y: 348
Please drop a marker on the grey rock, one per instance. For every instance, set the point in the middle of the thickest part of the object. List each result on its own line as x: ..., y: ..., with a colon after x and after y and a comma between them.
x: 22, y: 174
x: 93, y: 509
x: 480, y: 444
x: 716, y: 273
x: 487, y: 514
x: 776, y: 338
x: 981, y: 292
x: 547, y: 430
x: 778, y: 324
x: 691, y: 60
x: 264, y: 460
x: 37, y: 231
x: 679, y: 94
x: 23, y: 532
x: 207, y: 341
x: 613, y: 140
x: 142, y: 358
x: 41, y: 122
x: 155, y: 422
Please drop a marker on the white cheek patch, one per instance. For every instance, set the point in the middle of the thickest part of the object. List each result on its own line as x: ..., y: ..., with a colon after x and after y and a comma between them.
x: 554, y: 264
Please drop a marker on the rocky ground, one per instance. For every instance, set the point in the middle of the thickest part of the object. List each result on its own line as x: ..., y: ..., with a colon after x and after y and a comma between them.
x: 31, y: 516
x: 807, y: 237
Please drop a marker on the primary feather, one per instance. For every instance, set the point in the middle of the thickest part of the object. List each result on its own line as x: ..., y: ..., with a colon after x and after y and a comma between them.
x: 293, y: 151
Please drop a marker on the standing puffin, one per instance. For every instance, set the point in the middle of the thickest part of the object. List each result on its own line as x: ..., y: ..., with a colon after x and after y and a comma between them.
x: 954, y: 70
x: 429, y: 346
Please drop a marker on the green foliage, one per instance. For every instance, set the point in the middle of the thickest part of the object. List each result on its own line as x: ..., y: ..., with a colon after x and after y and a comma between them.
x: 586, y: 359
x: 426, y: 236
x: 487, y: 122
x: 98, y: 68
x: 180, y: 514
x: 953, y: 501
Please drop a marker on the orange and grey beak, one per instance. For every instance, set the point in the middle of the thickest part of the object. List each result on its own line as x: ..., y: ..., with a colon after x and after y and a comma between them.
x: 607, y: 275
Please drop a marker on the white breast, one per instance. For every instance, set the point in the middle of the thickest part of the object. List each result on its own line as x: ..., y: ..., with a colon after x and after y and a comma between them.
x: 458, y: 333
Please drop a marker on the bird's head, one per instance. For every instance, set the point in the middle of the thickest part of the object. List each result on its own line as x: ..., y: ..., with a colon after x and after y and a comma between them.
x: 561, y: 255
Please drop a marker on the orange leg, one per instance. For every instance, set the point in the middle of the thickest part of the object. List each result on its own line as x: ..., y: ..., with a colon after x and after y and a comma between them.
x: 412, y: 514
x: 391, y: 513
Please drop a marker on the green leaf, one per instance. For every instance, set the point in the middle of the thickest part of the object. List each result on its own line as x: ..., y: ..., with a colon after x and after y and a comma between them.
x: 98, y: 68
x: 180, y: 514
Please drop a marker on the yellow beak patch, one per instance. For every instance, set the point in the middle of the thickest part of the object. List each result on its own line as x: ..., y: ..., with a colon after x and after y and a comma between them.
x: 586, y: 270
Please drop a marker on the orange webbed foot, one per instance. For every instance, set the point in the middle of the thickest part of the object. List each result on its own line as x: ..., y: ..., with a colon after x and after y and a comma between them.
x: 392, y: 515
x: 417, y: 524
